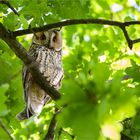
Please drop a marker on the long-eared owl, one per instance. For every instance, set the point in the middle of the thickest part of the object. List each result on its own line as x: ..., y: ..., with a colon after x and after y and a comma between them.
x: 46, y: 49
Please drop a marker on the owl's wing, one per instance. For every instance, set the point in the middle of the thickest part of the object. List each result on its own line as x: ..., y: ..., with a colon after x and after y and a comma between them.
x: 26, y: 76
x: 25, y: 114
x: 35, y: 98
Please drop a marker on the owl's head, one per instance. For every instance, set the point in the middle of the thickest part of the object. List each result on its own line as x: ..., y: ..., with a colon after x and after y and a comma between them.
x: 51, y: 39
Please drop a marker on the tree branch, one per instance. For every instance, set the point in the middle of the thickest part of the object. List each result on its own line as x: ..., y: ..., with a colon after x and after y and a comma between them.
x: 67, y: 23
x: 6, y: 2
x: 136, y: 40
x: 128, y: 23
x: 8, y: 37
x: 121, y: 25
x: 129, y: 41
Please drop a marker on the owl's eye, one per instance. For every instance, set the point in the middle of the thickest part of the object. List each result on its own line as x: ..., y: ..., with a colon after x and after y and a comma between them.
x: 54, y: 38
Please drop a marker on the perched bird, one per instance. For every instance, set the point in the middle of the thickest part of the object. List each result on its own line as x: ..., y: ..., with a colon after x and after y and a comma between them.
x: 46, y: 49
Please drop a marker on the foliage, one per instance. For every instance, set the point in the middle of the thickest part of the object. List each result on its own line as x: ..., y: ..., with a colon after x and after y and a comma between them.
x: 101, y: 84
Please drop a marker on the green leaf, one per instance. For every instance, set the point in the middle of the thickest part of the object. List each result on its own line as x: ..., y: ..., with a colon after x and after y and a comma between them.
x: 5, y: 48
x: 3, y: 108
x: 134, y: 71
x: 11, y: 21
x: 24, y: 22
x: 101, y: 74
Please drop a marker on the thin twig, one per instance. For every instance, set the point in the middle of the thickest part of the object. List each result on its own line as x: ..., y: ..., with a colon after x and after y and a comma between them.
x: 6, y: 130
x: 136, y: 40
x: 6, y: 2
x: 128, y: 23
x: 129, y: 41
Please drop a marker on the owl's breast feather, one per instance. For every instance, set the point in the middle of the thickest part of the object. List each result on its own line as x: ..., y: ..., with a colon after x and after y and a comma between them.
x: 50, y: 65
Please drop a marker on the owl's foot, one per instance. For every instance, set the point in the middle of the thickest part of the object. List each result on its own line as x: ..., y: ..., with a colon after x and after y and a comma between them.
x: 23, y: 115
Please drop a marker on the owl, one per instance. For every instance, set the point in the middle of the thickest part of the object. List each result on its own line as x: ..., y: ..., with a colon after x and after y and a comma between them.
x: 46, y: 50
